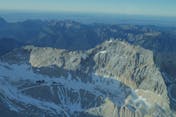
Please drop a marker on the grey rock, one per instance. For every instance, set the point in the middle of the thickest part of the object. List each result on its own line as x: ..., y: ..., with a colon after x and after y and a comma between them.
x: 113, y: 79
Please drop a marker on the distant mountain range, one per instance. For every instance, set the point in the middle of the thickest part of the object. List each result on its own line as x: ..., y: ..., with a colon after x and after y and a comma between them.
x: 72, y: 35
x: 89, y: 18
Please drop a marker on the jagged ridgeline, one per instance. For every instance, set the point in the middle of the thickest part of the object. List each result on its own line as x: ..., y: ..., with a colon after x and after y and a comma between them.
x: 114, y: 79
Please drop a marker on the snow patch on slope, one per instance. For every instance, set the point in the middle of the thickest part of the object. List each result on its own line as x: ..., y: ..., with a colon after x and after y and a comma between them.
x: 13, y: 76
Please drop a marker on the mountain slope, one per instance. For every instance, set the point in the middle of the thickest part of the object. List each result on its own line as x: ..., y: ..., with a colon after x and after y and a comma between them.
x: 7, y: 45
x: 112, y: 79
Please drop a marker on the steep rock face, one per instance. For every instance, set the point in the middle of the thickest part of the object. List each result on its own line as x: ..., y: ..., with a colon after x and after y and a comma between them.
x: 132, y: 65
x: 42, y: 57
x: 164, y: 49
x: 121, y: 77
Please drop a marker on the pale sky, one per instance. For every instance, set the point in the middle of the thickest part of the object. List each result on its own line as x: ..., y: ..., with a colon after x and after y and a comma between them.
x: 137, y: 7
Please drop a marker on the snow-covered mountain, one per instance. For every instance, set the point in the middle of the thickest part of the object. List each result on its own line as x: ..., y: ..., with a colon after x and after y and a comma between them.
x: 114, y: 79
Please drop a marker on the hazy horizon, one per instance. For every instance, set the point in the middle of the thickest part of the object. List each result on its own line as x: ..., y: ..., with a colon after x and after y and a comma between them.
x: 17, y: 15
x: 127, y: 7
x: 150, y: 12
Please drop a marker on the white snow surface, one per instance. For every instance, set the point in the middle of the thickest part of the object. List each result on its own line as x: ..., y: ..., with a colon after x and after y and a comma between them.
x: 12, y: 76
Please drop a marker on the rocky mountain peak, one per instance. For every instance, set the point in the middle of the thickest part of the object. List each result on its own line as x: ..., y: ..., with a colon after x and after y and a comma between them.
x: 114, y: 75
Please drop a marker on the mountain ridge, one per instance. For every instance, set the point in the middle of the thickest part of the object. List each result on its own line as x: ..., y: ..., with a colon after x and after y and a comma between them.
x: 77, y: 65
